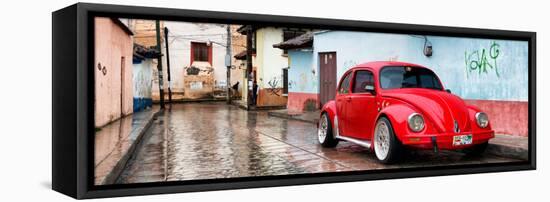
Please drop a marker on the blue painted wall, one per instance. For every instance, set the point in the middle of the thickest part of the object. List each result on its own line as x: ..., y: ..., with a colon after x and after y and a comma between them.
x: 301, y: 74
x: 142, y: 103
x: 472, y: 68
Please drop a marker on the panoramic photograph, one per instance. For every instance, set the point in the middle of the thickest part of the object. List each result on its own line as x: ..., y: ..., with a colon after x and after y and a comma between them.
x: 182, y: 101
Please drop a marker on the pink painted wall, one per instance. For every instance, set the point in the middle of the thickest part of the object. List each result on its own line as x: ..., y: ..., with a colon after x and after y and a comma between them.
x: 112, y: 72
x: 297, y: 101
x: 507, y: 117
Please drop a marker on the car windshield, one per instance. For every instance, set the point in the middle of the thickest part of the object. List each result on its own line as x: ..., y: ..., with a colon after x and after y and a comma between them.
x: 408, y: 77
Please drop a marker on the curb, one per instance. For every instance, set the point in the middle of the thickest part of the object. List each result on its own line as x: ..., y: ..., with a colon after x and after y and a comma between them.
x: 115, y: 173
x: 508, y: 151
x: 286, y: 116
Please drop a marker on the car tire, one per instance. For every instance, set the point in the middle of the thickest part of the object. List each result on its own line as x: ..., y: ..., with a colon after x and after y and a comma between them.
x: 387, y: 148
x: 477, y: 149
x: 325, y: 134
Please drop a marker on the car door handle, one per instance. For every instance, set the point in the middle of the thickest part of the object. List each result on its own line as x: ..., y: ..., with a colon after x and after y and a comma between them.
x: 348, y: 99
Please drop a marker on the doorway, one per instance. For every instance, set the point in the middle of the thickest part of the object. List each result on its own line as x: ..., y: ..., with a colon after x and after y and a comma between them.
x: 327, y: 74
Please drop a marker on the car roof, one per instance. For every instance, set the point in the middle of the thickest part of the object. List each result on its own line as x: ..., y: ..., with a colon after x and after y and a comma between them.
x: 377, y: 65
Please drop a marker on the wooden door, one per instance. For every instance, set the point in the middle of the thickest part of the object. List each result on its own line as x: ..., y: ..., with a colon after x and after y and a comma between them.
x: 327, y: 75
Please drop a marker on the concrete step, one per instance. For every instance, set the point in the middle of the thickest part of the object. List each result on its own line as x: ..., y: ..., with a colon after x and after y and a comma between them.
x: 310, y: 117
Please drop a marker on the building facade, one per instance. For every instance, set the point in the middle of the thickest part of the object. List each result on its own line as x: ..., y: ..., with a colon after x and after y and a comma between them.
x: 270, y: 64
x: 197, y: 54
x: 112, y: 70
x: 238, y: 64
x: 144, y: 62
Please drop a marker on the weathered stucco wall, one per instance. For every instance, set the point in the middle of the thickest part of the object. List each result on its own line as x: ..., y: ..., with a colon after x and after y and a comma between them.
x: 270, y: 61
x: 181, y: 34
x: 302, y: 75
x: 269, y: 64
x: 142, y: 80
x: 145, y: 31
x: 198, y: 86
x: 238, y: 44
x: 112, y: 72
x: 508, y: 117
x: 472, y: 68
x: 302, y: 81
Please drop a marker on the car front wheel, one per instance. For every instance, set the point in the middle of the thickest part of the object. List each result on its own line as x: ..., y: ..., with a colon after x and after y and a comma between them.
x: 325, y: 134
x: 386, y: 146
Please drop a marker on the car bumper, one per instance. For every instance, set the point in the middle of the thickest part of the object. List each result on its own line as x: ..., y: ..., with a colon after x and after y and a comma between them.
x: 444, y: 140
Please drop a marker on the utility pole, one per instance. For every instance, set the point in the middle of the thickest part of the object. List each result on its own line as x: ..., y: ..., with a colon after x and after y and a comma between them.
x: 168, y: 64
x: 159, y: 66
x: 228, y: 64
x: 249, y: 33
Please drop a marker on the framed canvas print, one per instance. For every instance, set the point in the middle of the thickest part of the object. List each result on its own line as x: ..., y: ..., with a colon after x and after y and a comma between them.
x: 158, y: 100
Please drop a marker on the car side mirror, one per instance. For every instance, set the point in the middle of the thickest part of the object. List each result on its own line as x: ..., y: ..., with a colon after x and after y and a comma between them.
x: 370, y: 88
x: 448, y: 90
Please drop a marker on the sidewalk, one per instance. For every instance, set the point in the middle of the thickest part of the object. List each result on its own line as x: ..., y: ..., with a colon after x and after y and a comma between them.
x: 502, y: 145
x: 241, y: 104
x: 509, y: 146
x: 115, y: 143
x: 307, y: 116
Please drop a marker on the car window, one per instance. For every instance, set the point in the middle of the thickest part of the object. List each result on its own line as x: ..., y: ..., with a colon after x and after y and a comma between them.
x: 362, y: 79
x: 408, y: 77
x: 344, y: 85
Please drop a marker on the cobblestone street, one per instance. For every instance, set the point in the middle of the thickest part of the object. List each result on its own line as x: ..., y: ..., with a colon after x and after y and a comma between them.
x: 215, y: 140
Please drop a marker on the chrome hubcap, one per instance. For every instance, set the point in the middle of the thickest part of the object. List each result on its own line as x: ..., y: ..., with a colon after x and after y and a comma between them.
x: 323, y: 128
x: 381, y: 140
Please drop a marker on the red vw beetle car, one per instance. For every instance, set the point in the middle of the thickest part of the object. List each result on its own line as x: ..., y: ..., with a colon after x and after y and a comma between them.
x: 390, y: 106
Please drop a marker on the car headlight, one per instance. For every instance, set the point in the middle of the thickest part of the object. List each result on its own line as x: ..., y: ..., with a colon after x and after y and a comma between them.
x: 482, y: 119
x: 416, y: 122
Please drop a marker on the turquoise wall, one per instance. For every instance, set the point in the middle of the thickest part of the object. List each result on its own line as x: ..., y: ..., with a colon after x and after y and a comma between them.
x: 472, y: 68
x: 301, y: 76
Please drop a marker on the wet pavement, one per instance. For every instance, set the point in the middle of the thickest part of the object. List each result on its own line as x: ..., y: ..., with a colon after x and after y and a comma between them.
x: 214, y: 140
x: 116, y: 142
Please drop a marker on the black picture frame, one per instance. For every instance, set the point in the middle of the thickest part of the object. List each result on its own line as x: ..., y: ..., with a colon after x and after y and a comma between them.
x: 73, y: 103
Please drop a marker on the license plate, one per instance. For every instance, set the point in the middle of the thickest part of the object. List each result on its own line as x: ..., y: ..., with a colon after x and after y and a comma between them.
x: 462, y: 140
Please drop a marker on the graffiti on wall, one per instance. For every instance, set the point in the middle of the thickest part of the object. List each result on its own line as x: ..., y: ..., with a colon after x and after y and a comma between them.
x: 483, y: 61
x: 273, y: 83
x: 291, y: 84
